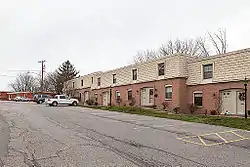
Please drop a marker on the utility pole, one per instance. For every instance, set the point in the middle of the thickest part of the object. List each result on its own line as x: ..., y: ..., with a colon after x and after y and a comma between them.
x: 43, y: 68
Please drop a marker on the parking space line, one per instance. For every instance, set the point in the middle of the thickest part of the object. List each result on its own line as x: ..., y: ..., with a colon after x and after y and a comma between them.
x: 188, y: 139
x: 221, y: 137
x: 202, y: 140
x: 238, y: 135
x: 192, y: 142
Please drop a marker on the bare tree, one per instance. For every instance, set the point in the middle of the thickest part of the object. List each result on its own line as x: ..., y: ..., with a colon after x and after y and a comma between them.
x: 219, y: 41
x: 192, y: 47
x: 54, y: 81
x: 201, y: 46
x: 24, y: 82
x: 146, y: 56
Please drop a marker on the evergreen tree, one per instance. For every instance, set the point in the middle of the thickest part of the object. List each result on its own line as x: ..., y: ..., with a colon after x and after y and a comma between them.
x: 65, y: 72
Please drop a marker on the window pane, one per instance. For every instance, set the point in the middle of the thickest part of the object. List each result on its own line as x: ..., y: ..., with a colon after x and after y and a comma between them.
x: 114, y: 78
x: 130, y: 95
x: 134, y: 72
x: 96, y: 97
x: 118, y: 95
x: 168, y: 92
x: 198, y: 99
x: 62, y: 97
x: 208, y: 71
x: 99, y: 81
x: 161, y: 69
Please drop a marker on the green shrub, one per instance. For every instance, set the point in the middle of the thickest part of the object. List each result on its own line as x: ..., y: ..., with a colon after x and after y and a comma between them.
x: 90, y: 102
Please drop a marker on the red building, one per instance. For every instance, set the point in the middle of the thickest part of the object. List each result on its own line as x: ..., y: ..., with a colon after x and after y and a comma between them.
x: 13, y: 95
x: 3, y: 95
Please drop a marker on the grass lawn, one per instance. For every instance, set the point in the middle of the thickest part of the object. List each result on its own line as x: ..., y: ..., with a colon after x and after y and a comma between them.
x: 232, y: 122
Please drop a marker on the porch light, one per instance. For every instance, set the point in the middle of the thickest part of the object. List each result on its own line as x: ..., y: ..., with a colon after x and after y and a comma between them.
x: 245, y: 81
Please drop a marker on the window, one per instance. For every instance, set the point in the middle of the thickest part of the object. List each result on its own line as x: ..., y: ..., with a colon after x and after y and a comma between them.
x: 130, y: 95
x: 161, y: 69
x: 208, y: 71
x: 73, y: 84
x: 96, y: 97
x: 82, y: 82
x: 92, y: 80
x: 168, y: 92
x: 114, y: 78
x: 98, y: 81
x: 118, y: 95
x: 134, y: 73
x: 198, y: 99
x: 62, y: 97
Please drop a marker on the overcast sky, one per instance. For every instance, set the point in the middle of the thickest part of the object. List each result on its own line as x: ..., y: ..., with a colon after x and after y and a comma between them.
x: 104, y: 34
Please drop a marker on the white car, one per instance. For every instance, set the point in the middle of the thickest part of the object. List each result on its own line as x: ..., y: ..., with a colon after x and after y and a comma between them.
x: 61, y: 99
x: 18, y: 98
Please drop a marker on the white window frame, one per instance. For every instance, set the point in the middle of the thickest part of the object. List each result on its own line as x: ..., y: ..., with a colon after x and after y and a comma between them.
x: 96, y: 97
x: 114, y: 78
x: 202, y: 71
x: 167, y: 86
x: 163, y: 69
x: 127, y: 94
x: 98, y: 81
x: 198, y: 92
x: 82, y: 82
x: 116, y: 94
x: 134, y: 69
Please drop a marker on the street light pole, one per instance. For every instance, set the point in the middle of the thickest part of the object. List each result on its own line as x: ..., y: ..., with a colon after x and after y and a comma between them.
x: 245, y: 85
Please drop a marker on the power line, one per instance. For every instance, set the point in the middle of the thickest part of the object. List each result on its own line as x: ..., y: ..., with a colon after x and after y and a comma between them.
x: 5, y: 75
x: 19, y: 70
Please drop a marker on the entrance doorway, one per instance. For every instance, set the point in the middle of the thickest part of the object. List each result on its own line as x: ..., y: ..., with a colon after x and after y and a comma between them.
x: 105, y: 98
x: 232, y: 101
x: 147, y: 96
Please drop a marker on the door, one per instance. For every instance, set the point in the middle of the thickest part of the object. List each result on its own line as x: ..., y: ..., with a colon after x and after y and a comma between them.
x: 105, y: 98
x: 228, y: 101
x: 143, y: 97
x: 62, y: 100
x: 86, y: 96
x: 80, y: 97
x: 240, y: 102
x: 147, y: 96
x: 151, y: 97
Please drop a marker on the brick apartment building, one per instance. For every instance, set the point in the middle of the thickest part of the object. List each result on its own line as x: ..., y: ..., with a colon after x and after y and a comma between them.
x: 211, y: 83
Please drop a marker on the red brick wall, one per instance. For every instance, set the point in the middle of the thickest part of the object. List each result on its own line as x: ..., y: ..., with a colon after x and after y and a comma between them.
x: 4, y: 96
x: 178, y: 99
x: 182, y: 94
x: 210, y: 91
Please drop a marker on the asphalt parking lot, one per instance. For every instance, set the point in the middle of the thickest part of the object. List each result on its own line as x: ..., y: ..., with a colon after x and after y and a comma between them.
x: 36, y: 135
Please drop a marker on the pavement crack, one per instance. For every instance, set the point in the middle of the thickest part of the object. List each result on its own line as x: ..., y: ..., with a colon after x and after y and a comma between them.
x: 1, y: 162
x: 34, y: 161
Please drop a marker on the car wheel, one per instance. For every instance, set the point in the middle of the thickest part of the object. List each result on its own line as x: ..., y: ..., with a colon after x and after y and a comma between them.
x: 74, y: 103
x: 40, y: 102
x: 54, y: 104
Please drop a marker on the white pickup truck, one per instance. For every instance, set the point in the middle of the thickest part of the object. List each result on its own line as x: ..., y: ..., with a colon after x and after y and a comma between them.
x: 61, y: 99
